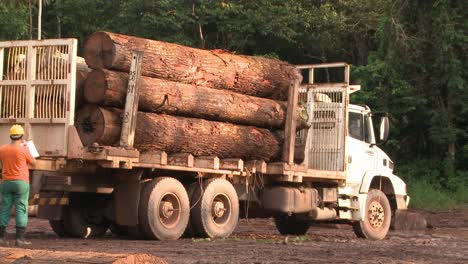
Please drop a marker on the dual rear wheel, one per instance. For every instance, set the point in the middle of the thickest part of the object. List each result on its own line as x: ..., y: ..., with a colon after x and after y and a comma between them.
x: 165, y: 212
x: 164, y: 209
x: 215, y: 209
x: 168, y: 210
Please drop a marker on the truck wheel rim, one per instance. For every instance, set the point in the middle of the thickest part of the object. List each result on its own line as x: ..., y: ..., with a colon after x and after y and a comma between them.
x: 221, y: 209
x: 169, y: 210
x: 376, y: 215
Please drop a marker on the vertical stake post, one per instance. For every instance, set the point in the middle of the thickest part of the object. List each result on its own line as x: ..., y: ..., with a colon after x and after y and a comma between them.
x: 291, y: 121
x: 127, y: 135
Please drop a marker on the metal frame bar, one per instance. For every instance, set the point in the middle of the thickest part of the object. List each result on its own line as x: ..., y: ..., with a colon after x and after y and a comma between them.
x: 127, y: 135
x: 311, y: 68
x: 35, y: 82
x: 2, y: 56
x: 291, y: 120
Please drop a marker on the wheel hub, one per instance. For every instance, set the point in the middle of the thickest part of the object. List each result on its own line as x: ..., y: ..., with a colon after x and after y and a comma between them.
x: 221, y: 209
x: 167, y: 209
x: 376, y: 215
x: 218, y: 209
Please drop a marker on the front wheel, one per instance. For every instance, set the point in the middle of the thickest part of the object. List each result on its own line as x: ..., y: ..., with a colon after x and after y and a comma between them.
x: 377, y: 219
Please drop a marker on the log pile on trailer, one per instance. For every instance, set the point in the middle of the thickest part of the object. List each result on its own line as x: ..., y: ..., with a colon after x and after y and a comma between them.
x: 175, y: 134
x: 218, y: 69
x: 206, y: 103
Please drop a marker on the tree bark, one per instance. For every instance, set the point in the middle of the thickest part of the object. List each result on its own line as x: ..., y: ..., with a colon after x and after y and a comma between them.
x: 108, y: 88
x: 82, y: 72
x: 179, y: 134
x: 257, y: 76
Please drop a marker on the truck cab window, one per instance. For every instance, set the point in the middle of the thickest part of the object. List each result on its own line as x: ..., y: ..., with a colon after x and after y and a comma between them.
x: 367, y: 130
x: 355, y: 126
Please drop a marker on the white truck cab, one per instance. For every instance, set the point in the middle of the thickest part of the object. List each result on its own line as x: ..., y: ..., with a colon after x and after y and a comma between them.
x: 370, y: 169
x: 371, y: 194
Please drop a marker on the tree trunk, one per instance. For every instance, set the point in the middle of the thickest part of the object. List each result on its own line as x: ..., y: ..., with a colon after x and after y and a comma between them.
x: 219, y: 69
x: 160, y: 96
x: 178, y: 134
x: 82, y: 72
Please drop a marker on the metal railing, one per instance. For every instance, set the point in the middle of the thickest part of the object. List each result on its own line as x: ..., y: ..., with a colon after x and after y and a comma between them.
x: 327, y: 105
x: 37, y: 90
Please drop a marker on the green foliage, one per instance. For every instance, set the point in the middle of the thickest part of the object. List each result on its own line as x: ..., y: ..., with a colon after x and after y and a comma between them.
x: 14, y: 21
x: 434, y: 184
x: 426, y: 196
x: 417, y: 75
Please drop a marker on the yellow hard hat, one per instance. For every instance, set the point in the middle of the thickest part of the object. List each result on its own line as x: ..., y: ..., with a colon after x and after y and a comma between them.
x: 16, y: 130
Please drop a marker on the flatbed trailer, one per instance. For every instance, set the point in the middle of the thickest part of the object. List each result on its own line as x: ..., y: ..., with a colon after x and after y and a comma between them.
x: 83, y: 190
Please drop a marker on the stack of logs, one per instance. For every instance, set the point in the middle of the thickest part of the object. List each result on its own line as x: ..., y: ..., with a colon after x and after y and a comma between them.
x: 193, y: 101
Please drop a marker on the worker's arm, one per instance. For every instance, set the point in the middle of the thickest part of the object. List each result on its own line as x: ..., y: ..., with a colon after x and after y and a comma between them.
x: 29, y: 158
x: 33, y: 162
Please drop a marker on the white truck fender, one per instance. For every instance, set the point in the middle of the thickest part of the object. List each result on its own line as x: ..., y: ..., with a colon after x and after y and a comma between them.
x: 398, y: 185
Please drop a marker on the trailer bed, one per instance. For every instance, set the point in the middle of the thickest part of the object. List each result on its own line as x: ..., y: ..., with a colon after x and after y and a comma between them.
x: 121, y: 158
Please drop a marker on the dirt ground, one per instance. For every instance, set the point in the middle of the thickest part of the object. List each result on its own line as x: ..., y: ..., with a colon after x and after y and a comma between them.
x: 257, y: 241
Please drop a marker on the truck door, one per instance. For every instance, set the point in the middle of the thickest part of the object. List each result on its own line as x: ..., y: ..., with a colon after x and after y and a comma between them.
x: 360, y: 153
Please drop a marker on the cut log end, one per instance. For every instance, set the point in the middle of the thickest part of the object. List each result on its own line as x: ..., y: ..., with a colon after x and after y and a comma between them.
x: 96, y: 124
x: 99, y: 50
x: 95, y: 87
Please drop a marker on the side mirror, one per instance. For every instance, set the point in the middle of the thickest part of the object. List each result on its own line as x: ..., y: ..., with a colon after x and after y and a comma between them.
x: 384, y: 129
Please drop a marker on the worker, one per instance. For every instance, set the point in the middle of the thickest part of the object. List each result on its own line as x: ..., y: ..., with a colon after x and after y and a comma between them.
x: 15, y: 158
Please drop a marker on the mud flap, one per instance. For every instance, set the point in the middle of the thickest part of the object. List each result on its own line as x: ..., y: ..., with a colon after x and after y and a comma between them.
x: 405, y: 220
x: 50, y: 204
x: 127, y: 197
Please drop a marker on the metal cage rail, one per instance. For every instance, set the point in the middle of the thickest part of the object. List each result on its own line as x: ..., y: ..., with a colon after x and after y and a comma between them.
x: 327, y: 103
x: 37, y: 89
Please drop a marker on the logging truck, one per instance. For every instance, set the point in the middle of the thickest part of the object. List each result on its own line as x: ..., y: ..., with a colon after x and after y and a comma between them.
x: 332, y: 170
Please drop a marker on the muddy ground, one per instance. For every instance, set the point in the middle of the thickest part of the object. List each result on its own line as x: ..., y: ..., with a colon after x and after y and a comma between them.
x: 257, y: 241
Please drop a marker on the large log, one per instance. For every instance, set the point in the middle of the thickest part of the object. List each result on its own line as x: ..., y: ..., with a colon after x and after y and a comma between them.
x: 82, y: 72
x: 108, y: 88
x: 257, y: 76
x: 175, y: 134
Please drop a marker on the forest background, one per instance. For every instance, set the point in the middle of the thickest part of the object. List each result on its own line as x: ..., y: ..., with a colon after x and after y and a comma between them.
x: 408, y: 56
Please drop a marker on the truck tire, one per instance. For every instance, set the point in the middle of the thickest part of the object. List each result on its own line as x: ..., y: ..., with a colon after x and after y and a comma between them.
x: 58, y: 228
x: 164, y: 209
x: 377, y: 219
x: 78, y: 224
x: 217, y: 212
x: 290, y: 225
